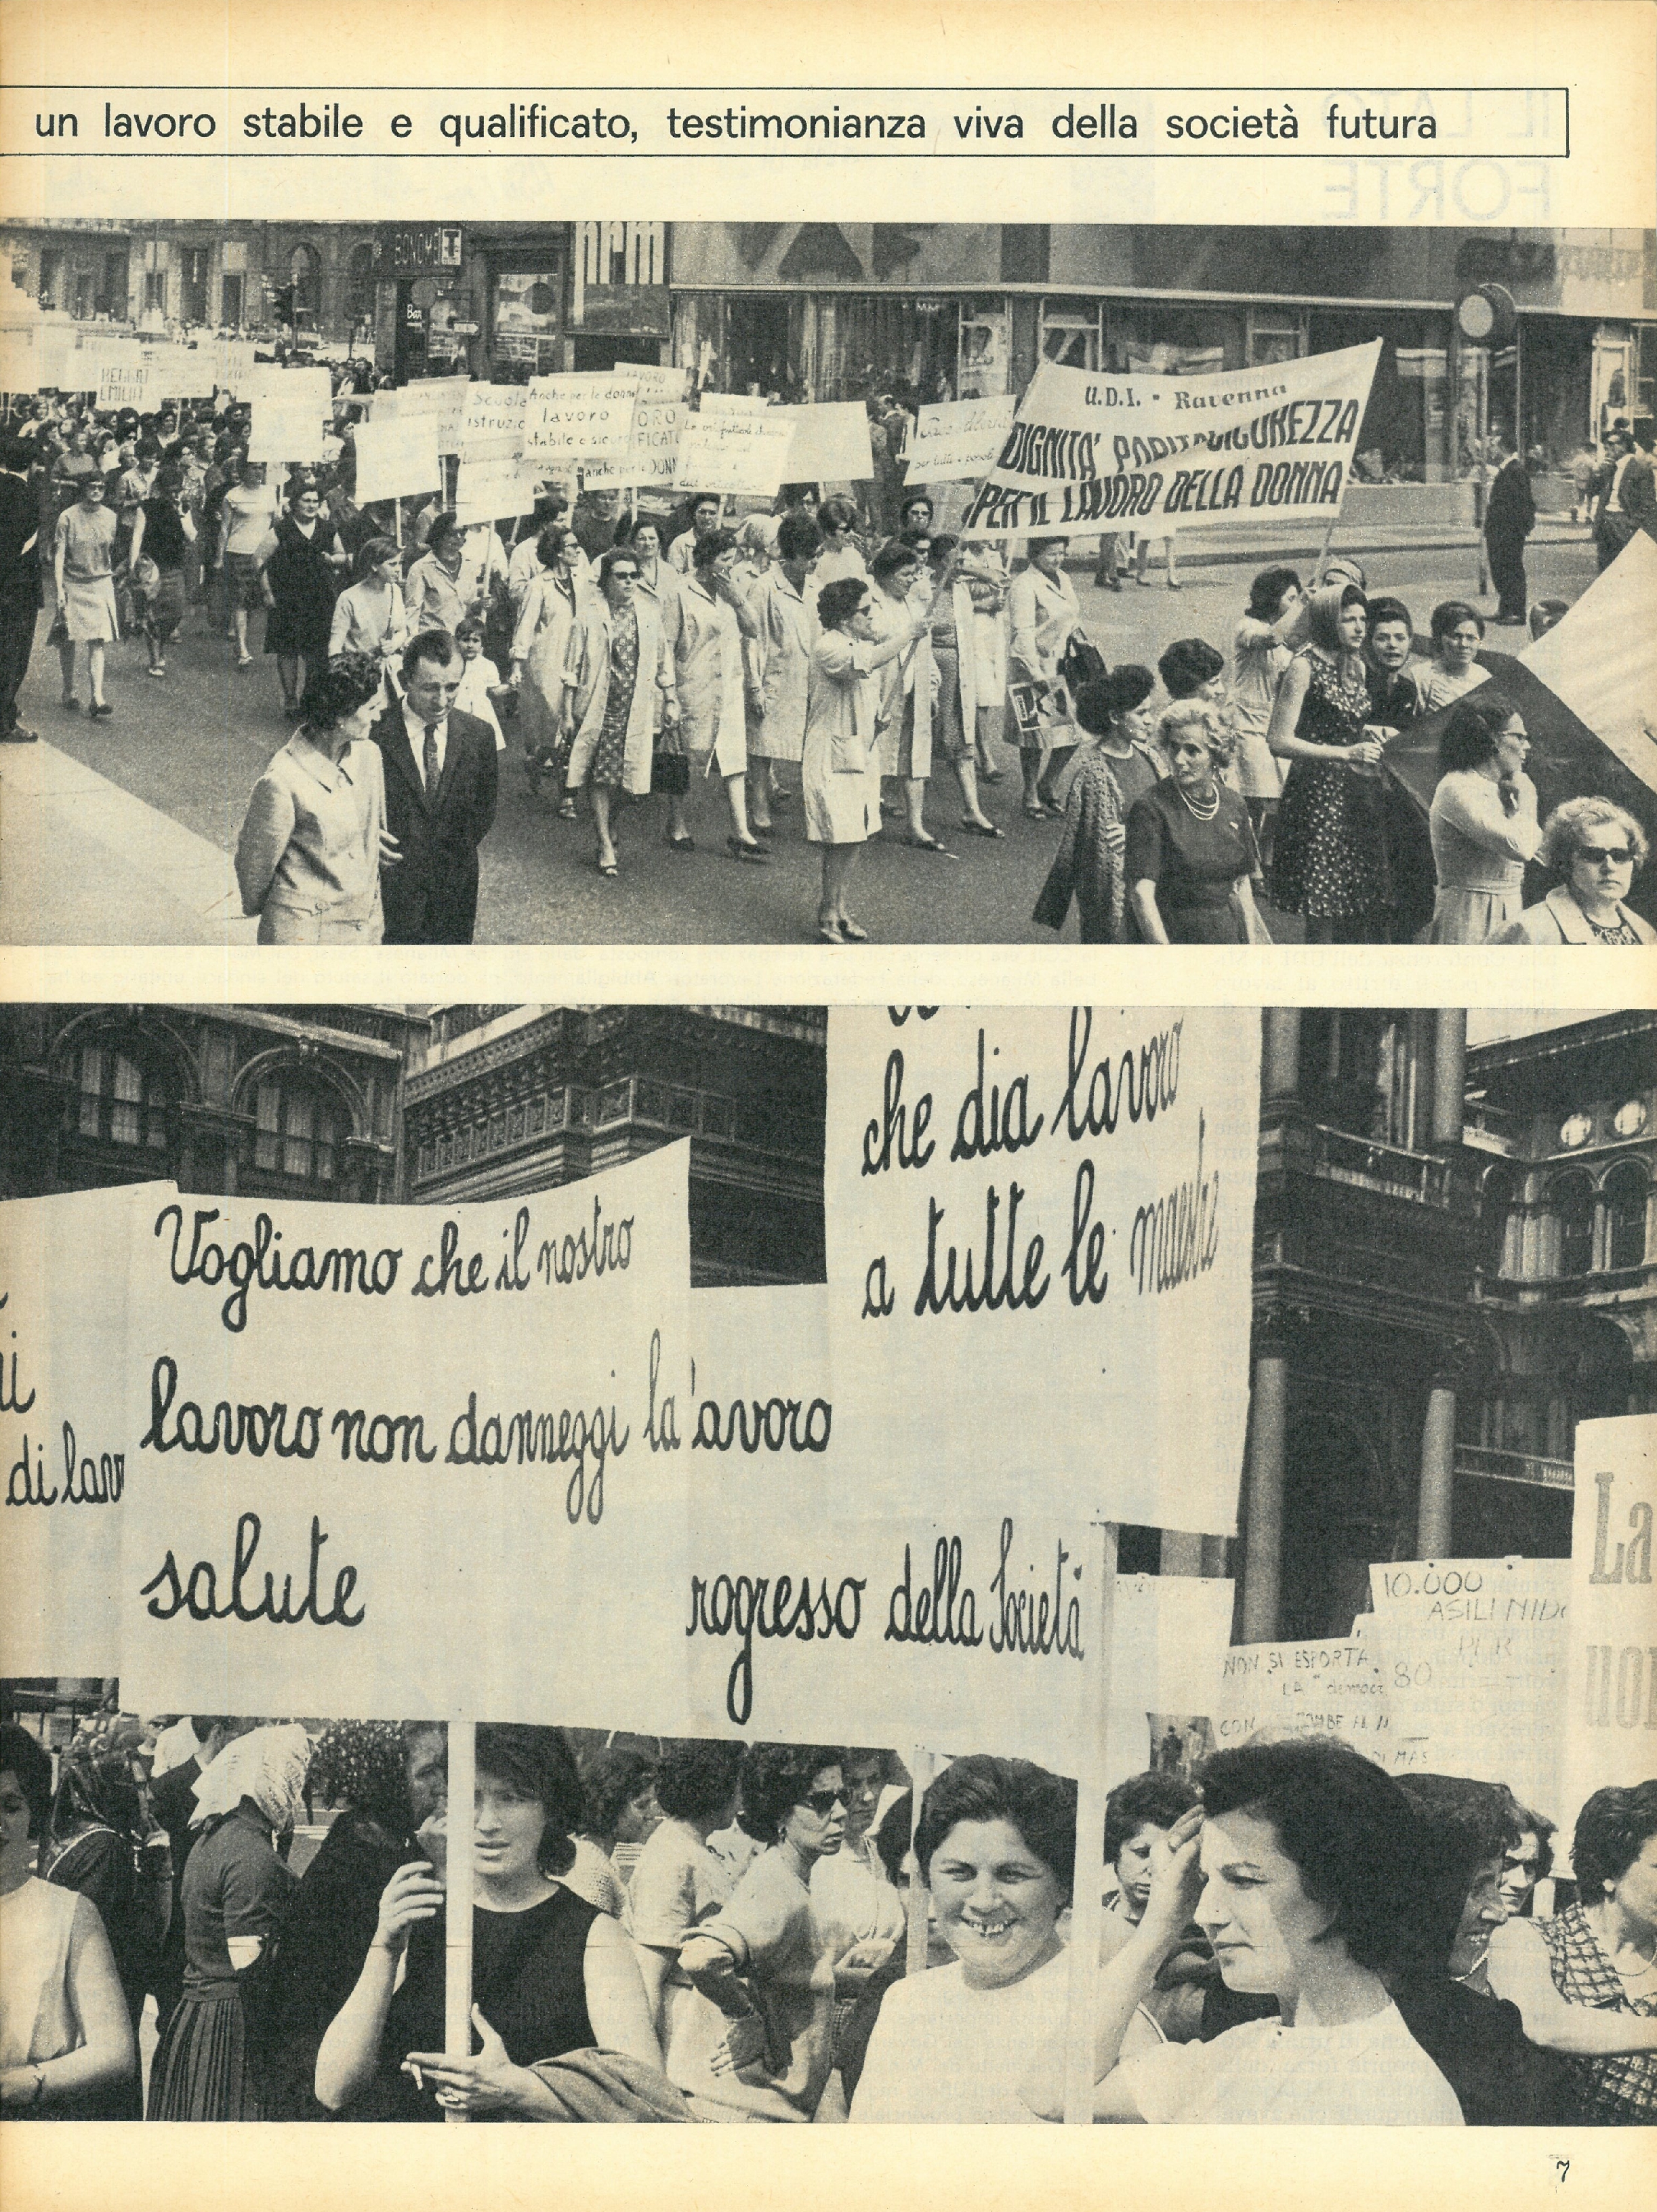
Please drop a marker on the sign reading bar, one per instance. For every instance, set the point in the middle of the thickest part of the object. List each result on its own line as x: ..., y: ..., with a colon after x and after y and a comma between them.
x: 1039, y: 1226
x: 404, y: 1460
x: 1090, y: 448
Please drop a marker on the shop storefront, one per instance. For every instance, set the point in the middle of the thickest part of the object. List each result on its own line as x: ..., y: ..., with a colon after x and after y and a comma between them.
x: 486, y: 300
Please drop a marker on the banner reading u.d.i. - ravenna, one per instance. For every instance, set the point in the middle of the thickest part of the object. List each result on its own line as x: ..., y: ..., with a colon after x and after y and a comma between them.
x: 1090, y: 450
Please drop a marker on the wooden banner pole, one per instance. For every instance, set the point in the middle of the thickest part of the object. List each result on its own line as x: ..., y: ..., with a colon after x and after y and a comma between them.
x: 1087, y: 1897
x: 458, y: 1901
x: 923, y: 1768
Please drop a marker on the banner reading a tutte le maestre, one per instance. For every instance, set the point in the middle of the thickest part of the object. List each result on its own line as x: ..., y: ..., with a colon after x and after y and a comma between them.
x: 1039, y: 1227
x: 403, y: 1460
x: 1090, y: 449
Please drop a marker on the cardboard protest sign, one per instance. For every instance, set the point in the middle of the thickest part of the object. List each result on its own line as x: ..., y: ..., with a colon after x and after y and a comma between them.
x: 958, y: 438
x: 232, y: 365
x: 831, y: 443
x: 492, y: 487
x: 404, y: 1460
x: 396, y: 458
x: 64, y: 1429
x: 579, y: 420
x: 281, y: 433
x: 289, y: 388
x: 126, y: 379
x: 734, y: 453
x: 965, y: 1632
x: 734, y: 402
x: 492, y: 420
x: 440, y: 401
x: 1473, y: 1654
x: 21, y: 368
x: 660, y: 411
x: 1610, y: 1688
x: 1039, y: 1227
x: 1329, y: 1686
x: 1090, y: 448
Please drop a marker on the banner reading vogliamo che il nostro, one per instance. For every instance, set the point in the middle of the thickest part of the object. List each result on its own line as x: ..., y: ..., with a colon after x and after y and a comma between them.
x: 1090, y: 448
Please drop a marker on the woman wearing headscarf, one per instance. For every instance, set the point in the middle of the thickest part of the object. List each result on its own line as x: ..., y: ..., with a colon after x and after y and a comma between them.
x: 1482, y: 821
x: 236, y: 1891
x: 1595, y: 848
x: 1329, y: 856
x: 540, y: 651
x: 95, y: 1843
x: 1115, y: 772
x: 387, y: 1779
x: 67, y: 2048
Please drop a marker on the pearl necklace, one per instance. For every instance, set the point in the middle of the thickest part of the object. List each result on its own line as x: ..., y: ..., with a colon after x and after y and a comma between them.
x: 1200, y: 813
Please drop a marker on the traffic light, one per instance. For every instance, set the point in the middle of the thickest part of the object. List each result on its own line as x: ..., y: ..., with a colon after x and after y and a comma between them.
x: 281, y: 301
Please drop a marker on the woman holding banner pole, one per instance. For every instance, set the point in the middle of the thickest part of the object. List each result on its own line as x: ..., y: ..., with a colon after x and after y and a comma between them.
x: 1043, y: 616
x: 551, y: 1974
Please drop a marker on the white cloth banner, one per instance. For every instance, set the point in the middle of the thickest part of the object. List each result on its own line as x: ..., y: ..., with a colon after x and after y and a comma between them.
x: 1090, y: 448
x: 958, y: 438
x: 1472, y: 1653
x: 64, y: 1431
x: 403, y: 1460
x: 1609, y: 1695
x: 1039, y: 1228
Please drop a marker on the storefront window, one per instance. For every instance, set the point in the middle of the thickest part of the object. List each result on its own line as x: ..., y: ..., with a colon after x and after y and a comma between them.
x: 1072, y: 333
x: 985, y: 351
x: 1405, y: 437
x: 524, y: 324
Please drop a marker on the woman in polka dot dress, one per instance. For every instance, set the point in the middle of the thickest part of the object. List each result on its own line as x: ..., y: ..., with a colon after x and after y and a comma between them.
x: 1330, y: 860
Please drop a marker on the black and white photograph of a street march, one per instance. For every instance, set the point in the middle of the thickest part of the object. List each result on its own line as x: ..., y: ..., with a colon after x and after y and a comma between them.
x: 523, y: 582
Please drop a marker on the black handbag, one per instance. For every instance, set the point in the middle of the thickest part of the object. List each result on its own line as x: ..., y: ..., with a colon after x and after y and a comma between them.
x: 1080, y: 663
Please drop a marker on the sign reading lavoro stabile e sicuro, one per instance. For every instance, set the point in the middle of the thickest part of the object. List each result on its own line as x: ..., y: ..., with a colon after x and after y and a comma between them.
x: 403, y: 1460
x: 1090, y: 449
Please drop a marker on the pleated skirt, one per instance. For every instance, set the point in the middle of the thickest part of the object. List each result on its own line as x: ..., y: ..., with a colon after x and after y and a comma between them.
x: 203, y: 2069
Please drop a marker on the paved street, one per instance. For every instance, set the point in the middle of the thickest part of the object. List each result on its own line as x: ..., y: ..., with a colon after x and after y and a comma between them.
x: 119, y: 832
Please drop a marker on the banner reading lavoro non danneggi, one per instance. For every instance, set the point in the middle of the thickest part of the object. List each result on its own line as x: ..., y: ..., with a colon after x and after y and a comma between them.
x: 1088, y: 449
x: 404, y: 1460
x: 1039, y: 1224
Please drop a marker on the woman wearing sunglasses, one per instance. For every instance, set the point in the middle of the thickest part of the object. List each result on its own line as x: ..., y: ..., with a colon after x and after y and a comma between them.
x: 765, y: 1963
x: 1595, y: 848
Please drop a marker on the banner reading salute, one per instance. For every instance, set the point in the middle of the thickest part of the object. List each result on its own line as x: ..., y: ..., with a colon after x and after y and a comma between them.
x: 403, y: 1460
x: 1088, y: 448
x: 1039, y: 1228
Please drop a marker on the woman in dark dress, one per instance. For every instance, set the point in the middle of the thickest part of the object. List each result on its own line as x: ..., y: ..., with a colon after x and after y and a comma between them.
x: 550, y: 1973
x: 387, y: 1778
x: 1117, y: 769
x: 164, y: 531
x: 1191, y: 861
x: 236, y: 1890
x: 299, y: 580
x: 94, y: 1844
x: 1329, y: 861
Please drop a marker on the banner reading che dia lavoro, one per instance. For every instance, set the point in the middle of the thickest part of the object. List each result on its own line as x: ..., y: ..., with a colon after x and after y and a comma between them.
x: 1038, y: 1224
x: 64, y: 1440
x: 1088, y: 449
x: 403, y: 1460
x: 939, y: 1625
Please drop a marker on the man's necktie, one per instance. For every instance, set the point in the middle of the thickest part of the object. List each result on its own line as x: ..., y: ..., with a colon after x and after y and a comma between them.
x: 429, y: 763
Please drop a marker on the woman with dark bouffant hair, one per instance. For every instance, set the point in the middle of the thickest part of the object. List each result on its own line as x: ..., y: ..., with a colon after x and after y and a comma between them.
x: 1305, y: 1868
x: 1483, y: 822
x: 550, y: 1973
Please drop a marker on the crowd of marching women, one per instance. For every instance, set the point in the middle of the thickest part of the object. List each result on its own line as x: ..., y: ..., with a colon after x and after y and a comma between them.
x: 812, y: 665
x: 696, y: 1931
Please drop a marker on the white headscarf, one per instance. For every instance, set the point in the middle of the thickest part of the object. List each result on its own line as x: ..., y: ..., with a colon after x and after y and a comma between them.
x: 268, y: 1765
x: 173, y: 1746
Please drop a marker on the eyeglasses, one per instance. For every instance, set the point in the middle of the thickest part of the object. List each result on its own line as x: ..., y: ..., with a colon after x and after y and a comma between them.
x: 1619, y: 855
x: 824, y: 1802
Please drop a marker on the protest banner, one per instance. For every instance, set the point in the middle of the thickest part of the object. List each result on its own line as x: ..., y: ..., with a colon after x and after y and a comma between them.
x: 125, y: 380
x: 957, y: 439
x: 64, y: 1431
x: 21, y: 366
x: 289, y: 388
x: 1330, y: 1685
x: 733, y: 403
x: 492, y: 486
x: 659, y: 410
x: 831, y: 443
x: 742, y: 453
x: 492, y: 420
x: 440, y: 401
x: 396, y: 458
x: 1473, y: 1654
x: 1088, y: 448
x: 281, y: 433
x: 405, y: 1460
x: 580, y: 420
x: 1611, y: 1674
x: 1039, y: 1226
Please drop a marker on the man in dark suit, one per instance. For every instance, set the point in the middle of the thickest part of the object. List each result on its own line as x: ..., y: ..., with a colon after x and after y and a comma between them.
x: 1509, y: 519
x: 1625, y: 491
x: 441, y: 783
x: 19, y: 581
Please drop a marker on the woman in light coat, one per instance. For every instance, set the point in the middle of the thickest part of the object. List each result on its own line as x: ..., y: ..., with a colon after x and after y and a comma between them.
x: 540, y: 651
x: 1042, y: 617
x: 619, y: 677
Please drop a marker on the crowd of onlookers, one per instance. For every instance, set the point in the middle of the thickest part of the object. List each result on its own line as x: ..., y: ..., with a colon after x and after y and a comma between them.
x: 699, y: 1931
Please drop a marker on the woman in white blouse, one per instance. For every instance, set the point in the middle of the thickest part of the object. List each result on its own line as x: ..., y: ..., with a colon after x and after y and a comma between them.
x: 1483, y: 823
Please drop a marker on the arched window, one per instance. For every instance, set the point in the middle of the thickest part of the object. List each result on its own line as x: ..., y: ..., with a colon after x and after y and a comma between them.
x: 1626, y: 1214
x: 122, y: 1095
x: 359, y: 284
x: 303, y: 272
x: 1571, y: 1202
x: 1495, y: 1207
x: 300, y: 1128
